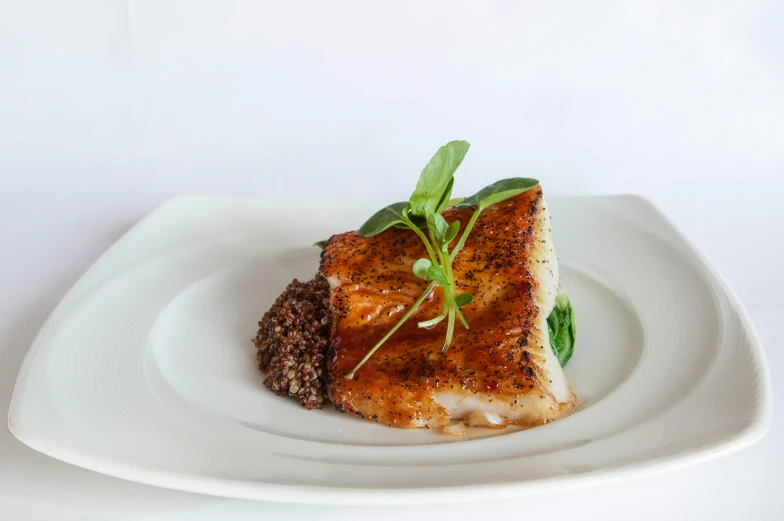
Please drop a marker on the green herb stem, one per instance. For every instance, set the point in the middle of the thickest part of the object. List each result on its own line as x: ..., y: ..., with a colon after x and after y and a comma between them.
x: 424, y: 240
x: 427, y: 324
x: 405, y: 317
x: 449, y: 297
x: 464, y: 237
x: 450, y: 330
x: 458, y: 313
x: 446, y: 263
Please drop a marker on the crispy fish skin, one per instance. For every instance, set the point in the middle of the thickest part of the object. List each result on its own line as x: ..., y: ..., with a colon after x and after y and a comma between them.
x: 503, y: 364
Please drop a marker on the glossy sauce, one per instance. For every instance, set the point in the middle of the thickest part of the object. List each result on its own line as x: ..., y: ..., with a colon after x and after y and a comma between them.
x: 500, y: 355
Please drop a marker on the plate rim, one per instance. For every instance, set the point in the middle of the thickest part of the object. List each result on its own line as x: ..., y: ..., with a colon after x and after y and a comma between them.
x: 318, y: 494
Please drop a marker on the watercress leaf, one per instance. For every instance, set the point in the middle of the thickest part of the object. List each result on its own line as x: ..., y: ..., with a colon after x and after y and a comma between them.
x: 383, y: 219
x: 321, y: 244
x: 419, y: 222
x: 553, y: 322
x: 561, y: 330
x: 551, y: 335
x: 451, y: 232
x: 497, y: 192
x: 454, y: 201
x: 572, y: 327
x: 435, y: 177
x: 420, y: 268
x: 437, y: 274
x: 565, y: 346
x: 438, y: 226
x: 464, y: 299
x: 444, y: 203
x: 563, y: 304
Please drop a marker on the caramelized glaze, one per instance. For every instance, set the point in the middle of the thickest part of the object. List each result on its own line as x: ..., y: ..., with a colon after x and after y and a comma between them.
x: 503, y: 363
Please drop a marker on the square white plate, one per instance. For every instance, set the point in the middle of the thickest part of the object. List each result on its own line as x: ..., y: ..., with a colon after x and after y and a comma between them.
x: 145, y: 370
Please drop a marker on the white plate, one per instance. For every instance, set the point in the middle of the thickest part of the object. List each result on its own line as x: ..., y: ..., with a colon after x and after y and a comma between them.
x: 145, y: 371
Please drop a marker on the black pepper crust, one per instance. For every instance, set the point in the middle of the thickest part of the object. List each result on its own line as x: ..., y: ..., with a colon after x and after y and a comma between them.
x: 376, y: 286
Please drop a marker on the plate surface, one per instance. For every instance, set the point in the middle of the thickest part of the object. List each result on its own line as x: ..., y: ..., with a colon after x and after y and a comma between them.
x: 145, y: 370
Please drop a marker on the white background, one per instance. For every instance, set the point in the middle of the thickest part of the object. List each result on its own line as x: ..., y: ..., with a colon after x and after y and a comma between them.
x: 109, y: 107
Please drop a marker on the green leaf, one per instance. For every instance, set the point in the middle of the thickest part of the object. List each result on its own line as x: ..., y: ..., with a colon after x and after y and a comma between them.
x: 444, y: 203
x: 454, y: 201
x: 553, y: 322
x: 438, y: 226
x: 420, y: 268
x: 561, y: 329
x: 562, y: 303
x: 437, y: 274
x: 383, y: 219
x: 565, y: 347
x: 464, y: 299
x: 451, y: 232
x: 572, y: 327
x: 553, y: 345
x: 434, y: 181
x: 497, y: 192
x: 419, y: 222
x: 321, y: 244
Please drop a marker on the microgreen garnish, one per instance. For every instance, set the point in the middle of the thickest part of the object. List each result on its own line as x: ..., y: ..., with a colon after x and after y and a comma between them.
x: 488, y: 196
x: 384, y: 218
x: 433, y: 195
x: 435, y: 182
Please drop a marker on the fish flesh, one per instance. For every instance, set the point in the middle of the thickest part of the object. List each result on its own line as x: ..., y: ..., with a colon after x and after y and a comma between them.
x: 502, y: 369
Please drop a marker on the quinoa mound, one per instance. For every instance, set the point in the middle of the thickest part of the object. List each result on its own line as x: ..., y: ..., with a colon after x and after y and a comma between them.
x: 292, y: 342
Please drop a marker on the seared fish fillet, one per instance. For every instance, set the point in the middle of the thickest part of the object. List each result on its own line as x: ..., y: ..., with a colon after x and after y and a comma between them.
x: 503, y: 364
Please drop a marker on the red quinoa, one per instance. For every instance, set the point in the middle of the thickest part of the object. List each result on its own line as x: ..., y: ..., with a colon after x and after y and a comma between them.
x: 292, y: 342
